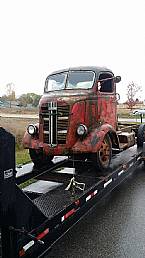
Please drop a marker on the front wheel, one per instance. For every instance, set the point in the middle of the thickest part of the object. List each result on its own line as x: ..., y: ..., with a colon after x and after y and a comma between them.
x: 39, y: 158
x: 102, y: 157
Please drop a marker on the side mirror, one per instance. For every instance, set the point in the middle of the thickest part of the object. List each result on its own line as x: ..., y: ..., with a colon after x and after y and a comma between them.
x: 117, y: 79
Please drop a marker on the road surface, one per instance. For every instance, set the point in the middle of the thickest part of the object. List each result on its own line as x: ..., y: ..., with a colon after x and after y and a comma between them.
x: 115, y: 229
x: 7, y: 115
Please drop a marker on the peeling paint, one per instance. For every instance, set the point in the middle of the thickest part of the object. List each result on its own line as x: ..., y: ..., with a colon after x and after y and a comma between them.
x: 95, y: 109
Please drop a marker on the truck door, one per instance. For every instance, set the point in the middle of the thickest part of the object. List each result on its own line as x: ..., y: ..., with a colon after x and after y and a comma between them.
x: 107, y: 105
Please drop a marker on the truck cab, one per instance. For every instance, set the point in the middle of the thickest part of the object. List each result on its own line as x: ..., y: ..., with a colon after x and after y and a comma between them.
x: 77, y: 116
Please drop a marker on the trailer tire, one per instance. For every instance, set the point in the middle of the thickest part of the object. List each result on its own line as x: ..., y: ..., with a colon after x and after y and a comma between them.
x: 39, y: 158
x: 141, y: 135
x: 102, y: 158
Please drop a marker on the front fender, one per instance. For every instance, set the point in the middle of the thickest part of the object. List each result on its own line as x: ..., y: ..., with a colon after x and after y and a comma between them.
x: 93, y: 141
x: 31, y: 141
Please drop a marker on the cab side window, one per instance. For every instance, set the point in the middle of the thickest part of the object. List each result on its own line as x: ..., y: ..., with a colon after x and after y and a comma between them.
x: 106, y: 82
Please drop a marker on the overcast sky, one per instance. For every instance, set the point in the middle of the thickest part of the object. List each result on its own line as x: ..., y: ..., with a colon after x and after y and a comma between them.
x: 41, y: 36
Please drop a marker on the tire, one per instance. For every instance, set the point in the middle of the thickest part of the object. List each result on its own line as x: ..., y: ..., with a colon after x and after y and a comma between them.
x: 39, y: 158
x: 141, y: 135
x: 102, y: 158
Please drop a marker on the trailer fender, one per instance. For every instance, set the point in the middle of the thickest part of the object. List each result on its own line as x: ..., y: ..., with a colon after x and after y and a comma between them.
x: 93, y: 140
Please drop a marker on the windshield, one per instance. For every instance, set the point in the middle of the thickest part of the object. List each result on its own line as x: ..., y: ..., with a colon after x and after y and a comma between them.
x: 55, y: 82
x: 70, y: 80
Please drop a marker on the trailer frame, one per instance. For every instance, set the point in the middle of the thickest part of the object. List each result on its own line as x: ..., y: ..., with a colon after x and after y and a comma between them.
x: 62, y: 209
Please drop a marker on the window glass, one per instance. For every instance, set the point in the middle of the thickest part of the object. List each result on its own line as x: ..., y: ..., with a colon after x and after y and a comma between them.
x: 80, y: 80
x: 70, y: 80
x: 105, y: 82
x: 55, y: 82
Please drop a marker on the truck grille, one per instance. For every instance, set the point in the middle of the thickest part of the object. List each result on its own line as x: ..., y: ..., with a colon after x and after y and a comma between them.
x: 55, y: 123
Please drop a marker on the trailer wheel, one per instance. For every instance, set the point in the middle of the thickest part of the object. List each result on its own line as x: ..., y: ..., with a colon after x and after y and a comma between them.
x: 39, y: 158
x: 102, y: 158
x: 141, y: 135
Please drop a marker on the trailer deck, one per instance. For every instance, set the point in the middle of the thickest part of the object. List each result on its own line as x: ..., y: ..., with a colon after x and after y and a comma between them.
x: 62, y: 208
x: 55, y: 199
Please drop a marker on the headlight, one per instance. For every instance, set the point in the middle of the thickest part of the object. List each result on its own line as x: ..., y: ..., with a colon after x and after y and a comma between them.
x: 82, y: 130
x: 32, y: 129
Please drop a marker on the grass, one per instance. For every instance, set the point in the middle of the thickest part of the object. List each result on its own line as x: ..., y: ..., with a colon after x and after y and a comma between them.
x: 128, y: 115
x: 19, y: 110
x: 17, y: 127
x: 22, y: 156
x: 124, y: 112
x: 28, y: 182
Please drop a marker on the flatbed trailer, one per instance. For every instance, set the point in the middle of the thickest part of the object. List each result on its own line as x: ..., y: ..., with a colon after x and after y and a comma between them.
x: 35, y: 216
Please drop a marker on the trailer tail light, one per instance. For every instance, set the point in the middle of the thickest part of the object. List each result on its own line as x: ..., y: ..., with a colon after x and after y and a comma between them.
x: 32, y: 242
x: 21, y: 252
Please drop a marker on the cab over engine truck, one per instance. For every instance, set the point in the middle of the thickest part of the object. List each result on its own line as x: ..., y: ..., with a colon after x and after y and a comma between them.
x: 78, y: 117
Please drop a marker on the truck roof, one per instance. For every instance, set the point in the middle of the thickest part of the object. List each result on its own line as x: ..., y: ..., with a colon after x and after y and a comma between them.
x: 96, y: 69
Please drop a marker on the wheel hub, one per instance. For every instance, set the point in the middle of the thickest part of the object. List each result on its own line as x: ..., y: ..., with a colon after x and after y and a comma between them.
x: 104, y: 152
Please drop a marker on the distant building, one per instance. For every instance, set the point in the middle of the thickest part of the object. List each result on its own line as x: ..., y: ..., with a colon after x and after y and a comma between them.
x: 4, y: 103
x: 7, y: 104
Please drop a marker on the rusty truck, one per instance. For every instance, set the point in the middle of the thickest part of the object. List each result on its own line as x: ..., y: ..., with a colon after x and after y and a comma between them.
x: 78, y: 118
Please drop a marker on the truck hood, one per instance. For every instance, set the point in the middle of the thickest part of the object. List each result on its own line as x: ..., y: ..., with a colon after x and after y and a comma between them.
x: 69, y: 96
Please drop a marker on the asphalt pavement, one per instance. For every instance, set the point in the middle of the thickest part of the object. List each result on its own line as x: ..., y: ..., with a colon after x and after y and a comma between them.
x: 114, y: 229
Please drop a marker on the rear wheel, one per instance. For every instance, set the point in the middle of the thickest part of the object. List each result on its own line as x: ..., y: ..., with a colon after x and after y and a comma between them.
x: 39, y: 158
x: 102, y: 158
x: 141, y: 135
x: 141, y: 138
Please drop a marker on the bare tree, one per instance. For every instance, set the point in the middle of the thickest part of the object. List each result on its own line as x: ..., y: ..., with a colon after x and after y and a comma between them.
x: 132, y: 91
x: 10, y: 92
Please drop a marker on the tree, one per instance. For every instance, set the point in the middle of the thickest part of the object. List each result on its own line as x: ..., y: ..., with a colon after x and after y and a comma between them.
x: 36, y: 100
x: 10, y: 92
x: 132, y: 90
x: 29, y: 98
x: 23, y: 100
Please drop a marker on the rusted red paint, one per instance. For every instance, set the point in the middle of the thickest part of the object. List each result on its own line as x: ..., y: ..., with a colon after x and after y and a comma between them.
x: 107, y: 109
x: 94, y: 140
x: 90, y: 107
